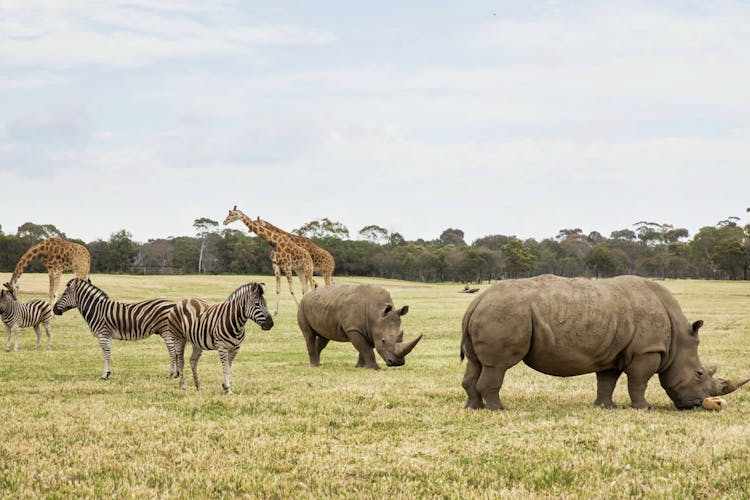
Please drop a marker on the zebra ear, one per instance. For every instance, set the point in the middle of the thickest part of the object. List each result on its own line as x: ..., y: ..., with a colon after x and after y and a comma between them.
x: 9, y: 288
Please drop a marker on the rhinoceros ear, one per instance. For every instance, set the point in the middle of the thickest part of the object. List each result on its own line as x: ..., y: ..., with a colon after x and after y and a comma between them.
x: 387, y: 309
x: 403, y: 311
x: 697, y: 326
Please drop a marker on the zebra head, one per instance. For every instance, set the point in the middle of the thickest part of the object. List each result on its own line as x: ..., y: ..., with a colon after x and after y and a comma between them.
x: 233, y: 215
x: 6, y: 298
x: 254, y: 303
x: 76, y: 292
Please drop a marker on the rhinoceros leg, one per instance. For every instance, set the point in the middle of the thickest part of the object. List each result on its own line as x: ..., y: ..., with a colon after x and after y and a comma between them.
x: 640, y: 371
x: 473, y: 370
x: 605, y: 385
x: 489, y: 383
x: 320, y: 344
x: 311, y: 340
x: 366, y: 352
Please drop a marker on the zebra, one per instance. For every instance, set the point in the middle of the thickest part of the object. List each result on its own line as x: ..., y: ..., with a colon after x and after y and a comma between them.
x: 219, y: 327
x: 109, y: 319
x: 17, y: 315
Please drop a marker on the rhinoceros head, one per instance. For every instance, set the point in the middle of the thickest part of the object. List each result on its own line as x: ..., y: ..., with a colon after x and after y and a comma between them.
x: 387, y: 336
x: 686, y: 381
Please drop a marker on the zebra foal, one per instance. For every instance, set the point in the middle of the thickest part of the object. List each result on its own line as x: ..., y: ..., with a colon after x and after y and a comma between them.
x: 109, y: 319
x: 219, y: 327
x: 17, y: 315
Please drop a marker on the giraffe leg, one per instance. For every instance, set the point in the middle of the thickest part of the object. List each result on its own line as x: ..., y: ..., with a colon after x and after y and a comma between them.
x: 54, y: 281
x: 309, y: 275
x: 277, y: 274
x: 288, y: 273
x: 304, y: 279
x: 327, y: 278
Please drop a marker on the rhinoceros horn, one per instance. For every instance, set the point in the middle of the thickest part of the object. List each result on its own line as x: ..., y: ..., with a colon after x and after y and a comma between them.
x: 728, y: 386
x: 404, y: 348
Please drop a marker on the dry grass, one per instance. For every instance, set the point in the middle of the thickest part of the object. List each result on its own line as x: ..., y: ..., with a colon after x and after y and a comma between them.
x: 291, y: 430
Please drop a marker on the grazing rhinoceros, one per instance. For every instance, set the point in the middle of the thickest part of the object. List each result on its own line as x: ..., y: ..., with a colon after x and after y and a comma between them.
x: 363, y: 315
x: 567, y: 327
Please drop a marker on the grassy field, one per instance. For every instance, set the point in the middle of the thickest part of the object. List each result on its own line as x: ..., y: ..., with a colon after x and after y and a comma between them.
x: 336, y: 431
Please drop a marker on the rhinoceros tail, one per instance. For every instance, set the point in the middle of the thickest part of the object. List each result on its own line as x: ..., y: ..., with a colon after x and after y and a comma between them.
x: 465, y: 339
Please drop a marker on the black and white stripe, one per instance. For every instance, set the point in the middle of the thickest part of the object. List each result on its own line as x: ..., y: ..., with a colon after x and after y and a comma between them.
x: 109, y: 319
x: 219, y: 327
x: 17, y: 315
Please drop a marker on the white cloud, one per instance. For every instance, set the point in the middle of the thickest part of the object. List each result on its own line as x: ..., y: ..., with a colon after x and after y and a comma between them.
x: 127, y: 34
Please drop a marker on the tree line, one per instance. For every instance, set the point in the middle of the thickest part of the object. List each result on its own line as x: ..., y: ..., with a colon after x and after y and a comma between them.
x: 651, y: 249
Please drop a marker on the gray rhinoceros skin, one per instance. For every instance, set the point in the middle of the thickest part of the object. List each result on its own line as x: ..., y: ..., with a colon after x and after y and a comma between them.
x: 361, y: 314
x: 566, y: 327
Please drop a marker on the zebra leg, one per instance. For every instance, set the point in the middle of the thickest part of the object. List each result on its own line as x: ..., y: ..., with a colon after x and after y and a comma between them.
x: 197, y: 351
x: 171, y: 350
x: 7, y: 343
x: 105, y: 342
x: 179, y: 354
x: 16, y: 330
x: 226, y: 355
x: 38, y: 332
x: 49, y: 334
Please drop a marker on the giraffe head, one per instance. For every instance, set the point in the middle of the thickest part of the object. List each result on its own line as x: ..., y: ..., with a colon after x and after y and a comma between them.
x: 234, y: 214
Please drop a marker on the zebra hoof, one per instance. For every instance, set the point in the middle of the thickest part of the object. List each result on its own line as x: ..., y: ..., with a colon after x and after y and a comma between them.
x: 106, y: 376
x: 227, y: 389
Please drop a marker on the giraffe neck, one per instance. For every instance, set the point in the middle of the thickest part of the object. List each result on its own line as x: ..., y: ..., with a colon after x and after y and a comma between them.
x: 263, y: 232
x: 30, y: 255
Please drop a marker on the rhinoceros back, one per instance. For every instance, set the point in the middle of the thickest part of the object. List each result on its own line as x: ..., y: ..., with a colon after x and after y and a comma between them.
x: 331, y: 310
x: 569, y: 326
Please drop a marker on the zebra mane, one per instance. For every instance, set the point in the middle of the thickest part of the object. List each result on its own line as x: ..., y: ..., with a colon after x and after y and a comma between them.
x: 244, y: 289
x: 91, y: 288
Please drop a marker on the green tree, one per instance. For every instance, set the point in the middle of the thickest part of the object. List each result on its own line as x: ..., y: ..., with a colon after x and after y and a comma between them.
x: 720, y: 251
x: 374, y: 234
x: 323, y: 228
x: 517, y: 259
x: 122, y: 250
x: 622, y: 234
x: 452, y: 237
x: 38, y: 232
x: 205, y: 228
x: 600, y: 260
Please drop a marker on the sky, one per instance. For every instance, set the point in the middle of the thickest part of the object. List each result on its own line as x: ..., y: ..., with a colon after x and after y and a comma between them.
x: 493, y: 117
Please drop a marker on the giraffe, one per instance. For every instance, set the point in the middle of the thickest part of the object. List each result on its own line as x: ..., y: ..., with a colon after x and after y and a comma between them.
x: 323, y: 261
x: 286, y: 255
x: 58, y: 255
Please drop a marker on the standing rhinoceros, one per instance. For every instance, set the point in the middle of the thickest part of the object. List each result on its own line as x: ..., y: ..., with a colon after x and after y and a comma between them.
x: 567, y: 327
x: 363, y: 315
